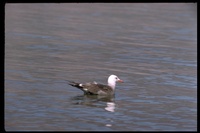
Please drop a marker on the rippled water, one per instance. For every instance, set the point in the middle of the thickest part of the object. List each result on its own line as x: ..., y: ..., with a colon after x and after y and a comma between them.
x: 152, y: 47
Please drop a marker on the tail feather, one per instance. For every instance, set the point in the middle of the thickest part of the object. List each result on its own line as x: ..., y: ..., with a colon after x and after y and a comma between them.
x: 75, y: 84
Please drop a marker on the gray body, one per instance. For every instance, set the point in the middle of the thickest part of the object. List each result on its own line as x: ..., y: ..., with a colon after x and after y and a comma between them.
x: 93, y: 88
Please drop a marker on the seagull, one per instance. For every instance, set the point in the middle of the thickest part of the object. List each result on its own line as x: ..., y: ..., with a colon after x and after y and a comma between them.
x: 93, y: 88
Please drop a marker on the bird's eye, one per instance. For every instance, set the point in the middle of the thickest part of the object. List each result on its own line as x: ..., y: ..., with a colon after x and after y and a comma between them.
x: 115, y: 77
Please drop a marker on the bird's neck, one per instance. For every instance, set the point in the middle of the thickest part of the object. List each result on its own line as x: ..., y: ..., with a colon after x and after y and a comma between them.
x: 112, y: 85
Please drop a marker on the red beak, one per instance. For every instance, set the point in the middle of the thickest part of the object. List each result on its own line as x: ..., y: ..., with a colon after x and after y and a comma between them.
x: 121, y: 81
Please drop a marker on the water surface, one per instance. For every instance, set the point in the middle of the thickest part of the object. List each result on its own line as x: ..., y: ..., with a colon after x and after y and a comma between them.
x: 152, y: 47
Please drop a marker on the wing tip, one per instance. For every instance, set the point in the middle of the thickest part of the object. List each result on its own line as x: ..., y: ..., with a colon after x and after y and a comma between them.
x: 74, y: 84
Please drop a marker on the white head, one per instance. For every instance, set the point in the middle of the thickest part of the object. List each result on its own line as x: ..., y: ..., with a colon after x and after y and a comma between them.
x: 112, y: 79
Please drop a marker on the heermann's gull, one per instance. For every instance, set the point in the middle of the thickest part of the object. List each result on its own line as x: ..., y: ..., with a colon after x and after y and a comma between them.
x: 98, y: 89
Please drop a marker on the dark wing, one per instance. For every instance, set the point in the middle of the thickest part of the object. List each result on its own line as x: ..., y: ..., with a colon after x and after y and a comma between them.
x: 97, y: 89
x: 84, y: 87
x: 75, y: 84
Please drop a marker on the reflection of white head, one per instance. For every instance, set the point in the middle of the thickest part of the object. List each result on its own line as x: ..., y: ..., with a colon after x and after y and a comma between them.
x: 110, y: 107
x: 112, y: 81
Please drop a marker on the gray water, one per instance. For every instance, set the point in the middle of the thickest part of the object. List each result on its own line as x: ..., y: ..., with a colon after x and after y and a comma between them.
x: 151, y: 47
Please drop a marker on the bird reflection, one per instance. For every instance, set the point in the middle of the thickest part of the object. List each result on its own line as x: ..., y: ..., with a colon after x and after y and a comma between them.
x: 110, y: 106
x: 106, y: 102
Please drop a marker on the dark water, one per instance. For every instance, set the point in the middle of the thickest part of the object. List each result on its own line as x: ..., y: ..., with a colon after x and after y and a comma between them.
x: 152, y: 47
